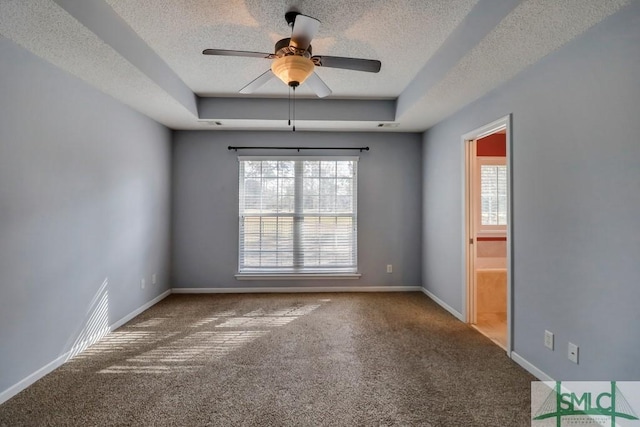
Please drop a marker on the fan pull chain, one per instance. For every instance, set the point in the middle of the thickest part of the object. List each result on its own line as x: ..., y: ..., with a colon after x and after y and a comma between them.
x: 289, y: 105
x: 294, y: 108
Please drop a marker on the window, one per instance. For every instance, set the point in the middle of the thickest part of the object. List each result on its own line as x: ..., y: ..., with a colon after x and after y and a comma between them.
x: 298, y: 215
x: 492, y: 195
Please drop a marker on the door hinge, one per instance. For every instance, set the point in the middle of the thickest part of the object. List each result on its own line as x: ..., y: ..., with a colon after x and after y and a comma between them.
x: 471, y: 241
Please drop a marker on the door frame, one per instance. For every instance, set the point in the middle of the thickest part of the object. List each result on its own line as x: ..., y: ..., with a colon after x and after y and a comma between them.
x: 467, y: 217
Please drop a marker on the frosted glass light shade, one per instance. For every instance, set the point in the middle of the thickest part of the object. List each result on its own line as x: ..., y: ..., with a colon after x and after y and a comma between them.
x: 292, y: 68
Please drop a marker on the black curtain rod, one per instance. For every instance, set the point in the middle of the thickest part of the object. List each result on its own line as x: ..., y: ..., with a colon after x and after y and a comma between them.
x: 299, y: 148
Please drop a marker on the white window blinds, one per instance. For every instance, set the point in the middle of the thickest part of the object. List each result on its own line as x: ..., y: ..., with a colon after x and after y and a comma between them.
x: 493, y: 194
x: 298, y: 215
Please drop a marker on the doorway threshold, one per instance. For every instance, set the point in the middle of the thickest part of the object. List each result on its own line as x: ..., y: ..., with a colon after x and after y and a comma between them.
x: 494, y: 334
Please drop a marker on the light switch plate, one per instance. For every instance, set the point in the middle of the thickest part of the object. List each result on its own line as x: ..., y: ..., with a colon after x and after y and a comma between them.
x: 548, y: 339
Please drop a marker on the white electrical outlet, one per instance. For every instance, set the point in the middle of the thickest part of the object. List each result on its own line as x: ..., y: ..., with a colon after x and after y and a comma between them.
x: 154, y: 279
x: 141, y: 283
x: 389, y: 268
x: 573, y: 353
x: 548, y: 340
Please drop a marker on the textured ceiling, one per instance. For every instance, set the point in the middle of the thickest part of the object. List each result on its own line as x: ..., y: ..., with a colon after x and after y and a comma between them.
x: 530, y: 32
x: 401, y: 33
x: 45, y: 29
x: 435, y: 56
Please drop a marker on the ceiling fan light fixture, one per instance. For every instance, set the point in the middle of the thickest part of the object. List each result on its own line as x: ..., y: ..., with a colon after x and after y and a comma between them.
x: 292, y: 69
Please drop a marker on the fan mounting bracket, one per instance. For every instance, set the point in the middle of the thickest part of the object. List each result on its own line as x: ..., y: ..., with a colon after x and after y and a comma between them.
x: 290, y: 17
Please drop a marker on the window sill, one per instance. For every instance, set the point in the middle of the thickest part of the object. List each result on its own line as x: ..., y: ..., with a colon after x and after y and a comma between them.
x: 492, y: 233
x: 297, y: 276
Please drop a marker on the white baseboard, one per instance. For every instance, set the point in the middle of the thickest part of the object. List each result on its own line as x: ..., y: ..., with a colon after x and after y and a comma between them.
x: 140, y: 309
x: 286, y: 289
x: 26, y: 382
x: 444, y: 305
x: 533, y: 370
x: 60, y: 360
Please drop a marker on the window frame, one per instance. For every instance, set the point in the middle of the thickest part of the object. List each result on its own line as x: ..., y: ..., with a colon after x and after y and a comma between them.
x: 488, y: 230
x: 293, y: 274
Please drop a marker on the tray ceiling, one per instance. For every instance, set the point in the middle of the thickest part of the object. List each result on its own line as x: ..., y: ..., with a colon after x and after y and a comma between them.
x: 437, y: 56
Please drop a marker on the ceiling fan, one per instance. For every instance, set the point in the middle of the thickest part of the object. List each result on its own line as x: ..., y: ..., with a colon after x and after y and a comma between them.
x: 293, y: 62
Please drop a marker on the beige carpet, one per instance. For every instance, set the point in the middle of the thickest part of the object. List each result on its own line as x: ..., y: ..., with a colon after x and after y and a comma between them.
x: 283, y: 359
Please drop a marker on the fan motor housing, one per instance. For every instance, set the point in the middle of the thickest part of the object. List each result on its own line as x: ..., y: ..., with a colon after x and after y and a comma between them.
x: 282, y: 48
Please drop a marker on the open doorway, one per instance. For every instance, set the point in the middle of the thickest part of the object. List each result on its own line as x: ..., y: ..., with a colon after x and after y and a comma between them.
x: 487, y: 224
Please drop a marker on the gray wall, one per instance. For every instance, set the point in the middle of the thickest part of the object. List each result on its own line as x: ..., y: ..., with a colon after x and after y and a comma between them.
x: 576, y: 185
x: 205, y: 205
x: 84, y: 201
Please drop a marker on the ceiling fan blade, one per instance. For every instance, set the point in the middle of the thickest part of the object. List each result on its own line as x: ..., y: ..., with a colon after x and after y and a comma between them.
x: 318, y: 85
x: 305, y: 29
x: 368, y: 65
x: 224, y: 52
x: 260, y: 81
